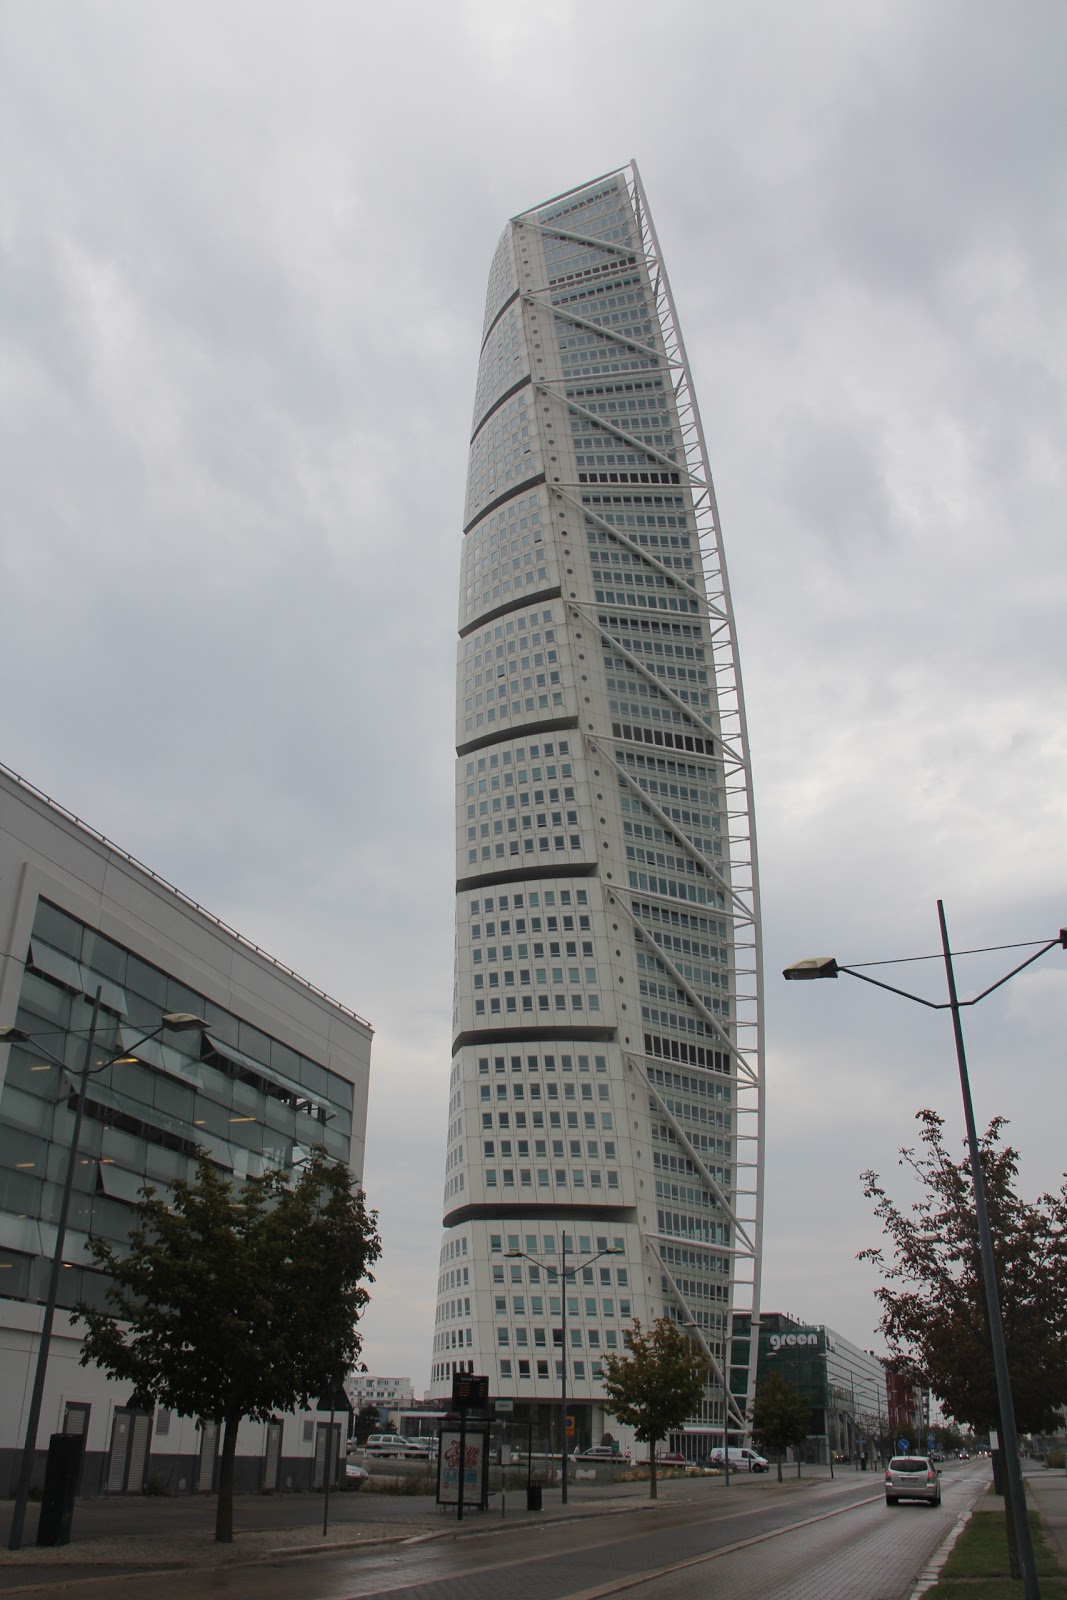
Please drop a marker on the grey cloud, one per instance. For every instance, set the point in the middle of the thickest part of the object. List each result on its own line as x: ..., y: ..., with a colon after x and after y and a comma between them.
x: 246, y: 252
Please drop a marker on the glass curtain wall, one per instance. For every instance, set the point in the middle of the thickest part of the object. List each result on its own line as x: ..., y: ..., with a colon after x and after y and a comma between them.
x: 250, y: 1101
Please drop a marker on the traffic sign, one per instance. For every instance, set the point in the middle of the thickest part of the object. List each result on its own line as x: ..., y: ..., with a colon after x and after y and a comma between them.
x: 903, y: 1447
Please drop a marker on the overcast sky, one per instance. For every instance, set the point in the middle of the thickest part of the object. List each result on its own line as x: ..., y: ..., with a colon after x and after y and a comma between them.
x: 245, y: 246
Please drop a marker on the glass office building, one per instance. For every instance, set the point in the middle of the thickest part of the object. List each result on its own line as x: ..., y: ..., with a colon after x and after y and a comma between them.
x: 278, y: 1068
x: 606, y: 1085
x: 844, y: 1385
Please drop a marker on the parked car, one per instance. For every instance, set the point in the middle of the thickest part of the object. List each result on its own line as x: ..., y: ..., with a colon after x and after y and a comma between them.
x: 600, y: 1452
x: 420, y: 1449
x: 912, y: 1478
x: 355, y: 1475
x: 672, y: 1458
x: 741, y: 1459
x: 386, y: 1444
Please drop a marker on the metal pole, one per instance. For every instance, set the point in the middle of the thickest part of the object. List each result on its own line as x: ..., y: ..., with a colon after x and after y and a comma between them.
x: 726, y: 1419
x: 462, y: 1459
x: 563, y: 1369
x: 29, y: 1448
x: 1016, y: 1496
x: 327, y: 1474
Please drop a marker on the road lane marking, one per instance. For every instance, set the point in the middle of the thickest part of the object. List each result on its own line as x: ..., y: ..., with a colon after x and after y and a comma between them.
x: 633, y: 1580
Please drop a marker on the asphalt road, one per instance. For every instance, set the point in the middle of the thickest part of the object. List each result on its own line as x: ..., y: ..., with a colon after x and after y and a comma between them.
x: 819, y: 1539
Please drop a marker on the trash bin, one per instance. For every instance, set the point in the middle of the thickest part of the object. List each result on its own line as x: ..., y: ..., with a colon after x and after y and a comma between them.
x: 533, y: 1497
x: 61, y: 1476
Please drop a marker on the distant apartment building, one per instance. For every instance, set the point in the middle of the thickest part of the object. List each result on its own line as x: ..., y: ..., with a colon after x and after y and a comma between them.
x: 363, y: 1389
x: 907, y: 1402
x: 279, y: 1067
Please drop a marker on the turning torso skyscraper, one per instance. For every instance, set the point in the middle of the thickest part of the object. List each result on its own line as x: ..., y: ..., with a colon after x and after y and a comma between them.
x: 607, y: 1090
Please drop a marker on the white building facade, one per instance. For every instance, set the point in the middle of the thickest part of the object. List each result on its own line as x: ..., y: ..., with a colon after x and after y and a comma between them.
x: 607, y: 1081
x: 364, y: 1389
x: 280, y: 1067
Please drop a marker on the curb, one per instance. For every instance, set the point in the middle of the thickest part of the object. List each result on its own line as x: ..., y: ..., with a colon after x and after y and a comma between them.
x: 503, y: 1526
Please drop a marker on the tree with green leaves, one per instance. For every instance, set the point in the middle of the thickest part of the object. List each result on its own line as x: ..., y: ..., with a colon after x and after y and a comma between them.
x: 657, y: 1384
x: 237, y: 1301
x: 367, y: 1420
x: 933, y: 1300
x: 780, y: 1417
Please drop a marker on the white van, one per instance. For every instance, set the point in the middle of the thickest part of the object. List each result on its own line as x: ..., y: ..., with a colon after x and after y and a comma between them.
x: 741, y: 1459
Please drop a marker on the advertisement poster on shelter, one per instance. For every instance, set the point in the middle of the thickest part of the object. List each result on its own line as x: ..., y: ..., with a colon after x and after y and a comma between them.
x: 448, y: 1483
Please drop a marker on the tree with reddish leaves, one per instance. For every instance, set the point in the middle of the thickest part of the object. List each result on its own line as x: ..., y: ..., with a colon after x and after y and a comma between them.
x: 934, y: 1315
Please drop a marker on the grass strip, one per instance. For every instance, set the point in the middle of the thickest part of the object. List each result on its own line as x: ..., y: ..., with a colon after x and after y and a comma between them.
x: 994, y: 1589
x: 978, y: 1568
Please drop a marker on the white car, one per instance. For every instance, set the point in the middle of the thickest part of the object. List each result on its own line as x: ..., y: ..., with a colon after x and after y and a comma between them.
x: 386, y: 1444
x: 355, y: 1476
x: 912, y: 1478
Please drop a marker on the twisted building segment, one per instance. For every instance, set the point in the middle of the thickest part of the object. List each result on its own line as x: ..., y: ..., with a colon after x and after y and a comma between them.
x: 607, y: 1081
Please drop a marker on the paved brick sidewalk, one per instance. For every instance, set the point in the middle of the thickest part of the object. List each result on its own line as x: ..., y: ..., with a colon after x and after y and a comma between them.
x: 164, y: 1533
x: 1047, y: 1489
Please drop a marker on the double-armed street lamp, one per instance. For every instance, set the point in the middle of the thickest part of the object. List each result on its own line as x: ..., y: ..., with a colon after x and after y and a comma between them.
x: 172, y: 1022
x: 829, y: 967
x: 548, y: 1268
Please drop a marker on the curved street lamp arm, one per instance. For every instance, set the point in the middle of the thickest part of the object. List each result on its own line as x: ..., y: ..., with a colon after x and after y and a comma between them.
x: 1061, y: 940
x: 934, y: 1005
x: 948, y: 1005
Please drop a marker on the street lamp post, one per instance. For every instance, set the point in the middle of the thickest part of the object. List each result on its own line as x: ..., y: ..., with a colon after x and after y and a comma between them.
x: 174, y: 1021
x: 538, y: 1261
x: 828, y: 967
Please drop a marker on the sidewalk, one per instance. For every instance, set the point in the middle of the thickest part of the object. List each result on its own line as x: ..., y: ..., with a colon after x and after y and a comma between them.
x: 1047, y: 1488
x: 139, y: 1533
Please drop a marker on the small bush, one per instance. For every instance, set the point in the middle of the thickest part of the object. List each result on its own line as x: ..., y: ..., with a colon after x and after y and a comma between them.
x: 404, y: 1486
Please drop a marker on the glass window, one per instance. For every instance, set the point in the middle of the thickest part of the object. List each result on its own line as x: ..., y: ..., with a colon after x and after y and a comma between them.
x: 57, y: 929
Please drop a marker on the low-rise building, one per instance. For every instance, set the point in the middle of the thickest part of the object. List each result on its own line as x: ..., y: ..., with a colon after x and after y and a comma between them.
x: 278, y: 1068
